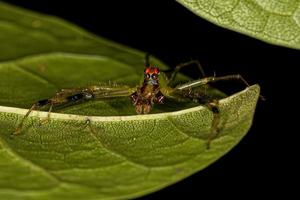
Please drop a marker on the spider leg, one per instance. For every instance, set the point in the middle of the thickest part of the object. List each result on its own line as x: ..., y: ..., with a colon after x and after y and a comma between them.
x: 211, y: 79
x: 182, y: 65
x: 62, y: 97
x: 185, y: 91
x: 48, y: 115
x: 211, y: 103
x: 71, y: 96
x: 37, y: 105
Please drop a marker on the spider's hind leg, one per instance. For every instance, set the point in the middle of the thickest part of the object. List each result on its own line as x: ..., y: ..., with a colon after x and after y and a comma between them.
x: 183, y: 65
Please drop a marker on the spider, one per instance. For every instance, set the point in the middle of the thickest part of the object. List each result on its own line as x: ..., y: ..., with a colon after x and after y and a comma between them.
x: 155, y: 88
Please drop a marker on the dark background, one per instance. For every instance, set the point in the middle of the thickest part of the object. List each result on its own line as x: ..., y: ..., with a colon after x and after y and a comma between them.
x: 260, y: 163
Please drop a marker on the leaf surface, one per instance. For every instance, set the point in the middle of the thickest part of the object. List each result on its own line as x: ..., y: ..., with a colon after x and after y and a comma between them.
x: 122, y: 155
x: 273, y: 21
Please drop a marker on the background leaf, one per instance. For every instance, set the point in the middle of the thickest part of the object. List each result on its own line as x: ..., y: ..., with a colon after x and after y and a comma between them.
x: 273, y: 21
x: 25, y: 33
x: 124, y: 156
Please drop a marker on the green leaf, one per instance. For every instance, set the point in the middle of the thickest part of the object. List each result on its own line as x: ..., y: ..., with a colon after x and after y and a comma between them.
x: 273, y: 21
x: 122, y: 155
x: 25, y: 33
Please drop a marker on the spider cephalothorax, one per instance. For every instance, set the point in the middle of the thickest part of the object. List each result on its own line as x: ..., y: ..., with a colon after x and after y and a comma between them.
x: 149, y: 93
x: 151, y: 75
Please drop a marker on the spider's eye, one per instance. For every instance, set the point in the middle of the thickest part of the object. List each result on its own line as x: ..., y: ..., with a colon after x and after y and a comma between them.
x: 147, y: 70
x: 147, y: 75
x: 155, y: 70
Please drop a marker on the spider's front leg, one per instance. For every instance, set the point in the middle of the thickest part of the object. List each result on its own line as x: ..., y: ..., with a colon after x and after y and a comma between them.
x: 64, y: 96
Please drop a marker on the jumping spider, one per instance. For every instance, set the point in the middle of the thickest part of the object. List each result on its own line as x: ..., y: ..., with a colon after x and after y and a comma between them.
x: 156, y: 87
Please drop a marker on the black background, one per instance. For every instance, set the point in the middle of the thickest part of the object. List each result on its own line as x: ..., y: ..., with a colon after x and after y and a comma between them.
x: 260, y: 163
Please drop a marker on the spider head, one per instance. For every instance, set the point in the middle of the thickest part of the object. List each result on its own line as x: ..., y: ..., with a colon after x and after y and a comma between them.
x: 151, y: 75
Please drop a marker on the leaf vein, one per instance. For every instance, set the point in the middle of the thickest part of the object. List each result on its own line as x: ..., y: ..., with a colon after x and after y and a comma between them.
x: 100, y: 143
x: 179, y: 130
x: 36, y: 76
x: 29, y: 163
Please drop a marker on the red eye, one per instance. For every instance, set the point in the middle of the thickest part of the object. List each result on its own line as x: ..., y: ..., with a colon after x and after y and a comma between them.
x: 151, y: 70
x: 156, y: 71
x: 147, y: 70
